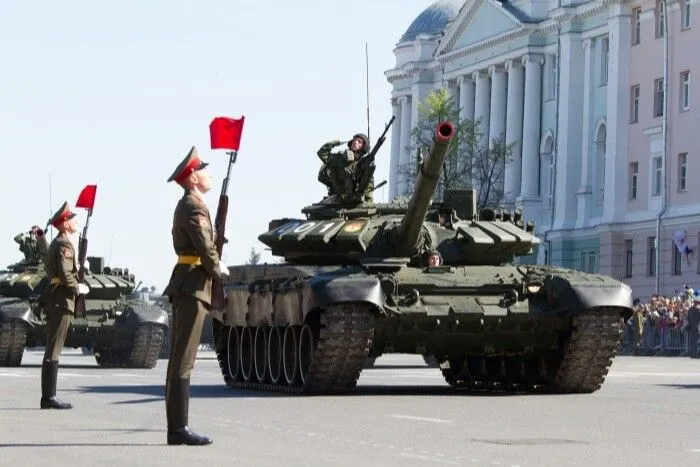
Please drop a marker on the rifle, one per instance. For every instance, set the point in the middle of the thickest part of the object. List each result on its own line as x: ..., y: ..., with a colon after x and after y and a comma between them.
x: 86, y: 199
x: 224, y: 133
x: 218, y: 298
x: 366, y: 167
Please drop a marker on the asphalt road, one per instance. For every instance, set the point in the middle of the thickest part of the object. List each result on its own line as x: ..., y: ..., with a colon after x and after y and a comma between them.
x: 402, y: 414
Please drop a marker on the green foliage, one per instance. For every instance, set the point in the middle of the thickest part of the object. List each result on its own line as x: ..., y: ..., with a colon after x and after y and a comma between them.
x: 468, y: 164
x: 254, y: 257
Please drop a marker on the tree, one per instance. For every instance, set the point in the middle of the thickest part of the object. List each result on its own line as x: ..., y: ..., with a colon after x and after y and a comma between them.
x: 254, y: 257
x: 469, y: 162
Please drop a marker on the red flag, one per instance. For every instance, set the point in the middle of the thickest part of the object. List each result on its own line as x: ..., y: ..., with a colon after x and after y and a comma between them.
x: 226, y: 132
x: 86, y: 199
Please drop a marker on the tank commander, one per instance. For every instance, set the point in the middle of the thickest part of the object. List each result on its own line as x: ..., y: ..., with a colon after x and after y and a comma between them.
x: 189, y: 291
x: 29, y: 246
x: 340, y: 169
x: 59, y: 302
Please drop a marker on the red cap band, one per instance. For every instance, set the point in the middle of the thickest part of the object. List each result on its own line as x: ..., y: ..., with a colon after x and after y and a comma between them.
x: 189, y: 168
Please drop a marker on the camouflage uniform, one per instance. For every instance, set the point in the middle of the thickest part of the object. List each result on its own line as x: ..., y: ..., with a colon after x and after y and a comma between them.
x: 28, y: 246
x: 340, y: 169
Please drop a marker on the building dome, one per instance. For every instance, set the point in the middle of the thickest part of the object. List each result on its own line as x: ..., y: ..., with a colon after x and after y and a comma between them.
x: 433, y: 19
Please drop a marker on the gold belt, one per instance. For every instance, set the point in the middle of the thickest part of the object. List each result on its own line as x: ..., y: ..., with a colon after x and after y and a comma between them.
x: 189, y: 259
x: 55, y: 280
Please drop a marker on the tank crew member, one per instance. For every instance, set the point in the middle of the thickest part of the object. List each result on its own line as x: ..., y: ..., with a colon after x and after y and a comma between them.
x: 59, y: 302
x: 28, y: 245
x: 189, y: 291
x: 693, y: 323
x: 339, y: 168
x: 434, y: 259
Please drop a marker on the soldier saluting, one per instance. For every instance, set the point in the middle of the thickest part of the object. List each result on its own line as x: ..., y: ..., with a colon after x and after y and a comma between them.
x: 59, y: 302
x: 338, y: 171
x: 190, y: 291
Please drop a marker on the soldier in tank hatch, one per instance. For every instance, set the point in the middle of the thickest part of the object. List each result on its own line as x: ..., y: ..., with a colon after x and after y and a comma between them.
x: 189, y: 291
x: 339, y: 168
x: 59, y: 302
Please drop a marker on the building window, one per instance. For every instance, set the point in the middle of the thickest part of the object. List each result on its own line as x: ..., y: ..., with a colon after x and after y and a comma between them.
x: 633, y: 180
x: 682, y: 171
x: 634, y: 104
x: 658, y: 97
x: 628, y: 258
x: 685, y: 91
x: 651, y: 256
x: 656, y: 175
x: 604, y: 56
x: 600, y: 144
x: 685, y: 14
x: 636, y: 26
x: 676, y: 260
x: 546, y: 188
x: 659, y: 14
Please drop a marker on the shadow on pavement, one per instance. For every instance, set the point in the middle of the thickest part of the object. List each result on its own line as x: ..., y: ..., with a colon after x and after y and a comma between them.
x: 219, y: 391
x: 680, y: 386
x: 67, y: 445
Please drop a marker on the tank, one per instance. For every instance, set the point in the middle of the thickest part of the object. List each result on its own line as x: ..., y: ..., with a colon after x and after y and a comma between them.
x: 354, y: 284
x: 122, y: 330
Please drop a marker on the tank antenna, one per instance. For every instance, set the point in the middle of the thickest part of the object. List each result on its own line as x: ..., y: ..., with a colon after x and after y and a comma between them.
x: 367, y: 87
x: 50, y: 209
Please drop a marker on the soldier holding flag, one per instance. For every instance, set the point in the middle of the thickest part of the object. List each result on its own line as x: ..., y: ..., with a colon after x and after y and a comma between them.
x: 196, y: 278
x: 60, y: 296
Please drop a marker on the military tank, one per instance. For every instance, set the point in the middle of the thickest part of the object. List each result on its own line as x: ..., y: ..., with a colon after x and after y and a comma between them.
x: 354, y: 285
x: 122, y: 330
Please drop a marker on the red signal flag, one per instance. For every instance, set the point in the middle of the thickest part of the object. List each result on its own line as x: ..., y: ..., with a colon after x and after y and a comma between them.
x: 226, y: 132
x: 86, y: 199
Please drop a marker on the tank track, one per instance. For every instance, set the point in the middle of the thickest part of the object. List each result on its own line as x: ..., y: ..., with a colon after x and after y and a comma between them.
x: 13, y: 337
x: 143, y: 351
x: 342, y: 342
x: 578, y: 365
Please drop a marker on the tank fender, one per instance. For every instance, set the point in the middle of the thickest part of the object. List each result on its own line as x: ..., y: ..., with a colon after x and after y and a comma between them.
x: 576, y: 296
x: 19, y: 310
x: 325, y: 290
x: 137, y: 314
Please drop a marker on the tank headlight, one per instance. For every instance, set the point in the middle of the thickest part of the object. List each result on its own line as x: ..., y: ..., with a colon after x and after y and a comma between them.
x: 534, y: 288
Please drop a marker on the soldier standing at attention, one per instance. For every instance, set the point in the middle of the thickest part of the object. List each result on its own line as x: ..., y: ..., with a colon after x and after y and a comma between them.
x: 189, y: 291
x: 59, y: 302
x: 338, y: 171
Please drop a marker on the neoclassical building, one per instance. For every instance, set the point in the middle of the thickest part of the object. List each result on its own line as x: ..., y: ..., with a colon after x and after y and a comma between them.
x: 553, y: 77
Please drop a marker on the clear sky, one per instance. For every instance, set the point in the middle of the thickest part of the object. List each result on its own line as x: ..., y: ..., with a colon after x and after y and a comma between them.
x: 115, y: 94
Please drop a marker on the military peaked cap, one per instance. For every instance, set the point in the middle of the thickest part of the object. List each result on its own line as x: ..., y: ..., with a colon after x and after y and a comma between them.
x: 62, y: 215
x: 191, y: 163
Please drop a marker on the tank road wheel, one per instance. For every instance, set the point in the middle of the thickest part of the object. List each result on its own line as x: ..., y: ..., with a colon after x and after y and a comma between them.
x: 223, y: 352
x: 289, y: 355
x: 13, y: 337
x: 260, y: 353
x: 588, y: 351
x: 233, y: 362
x: 306, y: 353
x: 274, y: 355
x: 246, y: 353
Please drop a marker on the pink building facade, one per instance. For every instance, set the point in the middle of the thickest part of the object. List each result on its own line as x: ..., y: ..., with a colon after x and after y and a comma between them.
x: 662, y: 180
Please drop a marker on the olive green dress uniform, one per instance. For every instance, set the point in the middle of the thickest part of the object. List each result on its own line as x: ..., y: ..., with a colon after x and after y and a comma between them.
x: 58, y: 300
x: 190, y: 293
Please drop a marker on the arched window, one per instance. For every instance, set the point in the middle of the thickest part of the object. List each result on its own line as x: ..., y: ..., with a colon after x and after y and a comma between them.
x: 546, y: 182
x: 600, y: 142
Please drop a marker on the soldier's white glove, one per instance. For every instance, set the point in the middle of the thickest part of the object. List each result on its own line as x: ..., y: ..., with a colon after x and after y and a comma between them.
x: 83, y: 289
x: 86, y: 265
x: 224, y: 269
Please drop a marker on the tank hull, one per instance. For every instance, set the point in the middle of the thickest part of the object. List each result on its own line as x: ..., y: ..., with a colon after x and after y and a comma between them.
x: 312, y: 329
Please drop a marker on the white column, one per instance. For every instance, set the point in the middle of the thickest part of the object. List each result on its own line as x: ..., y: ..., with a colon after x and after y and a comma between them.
x: 395, y: 149
x: 497, y: 124
x: 514, y: 129
x: 568, y: 155
x: 531, y: 126
x: 584, y: 193
x: 618, y: 111
x: 482, y: 105
x: 466, y: 98
x: 405, y: 143
x: 453, y: 91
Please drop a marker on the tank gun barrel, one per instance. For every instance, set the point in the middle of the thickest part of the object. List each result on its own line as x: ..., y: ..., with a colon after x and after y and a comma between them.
x: 426, y: 183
